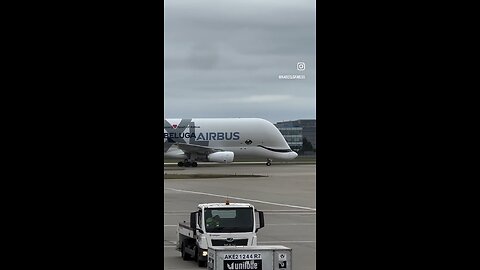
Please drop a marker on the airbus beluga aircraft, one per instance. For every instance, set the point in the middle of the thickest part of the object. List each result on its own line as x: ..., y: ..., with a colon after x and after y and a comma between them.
x: 223, y: 139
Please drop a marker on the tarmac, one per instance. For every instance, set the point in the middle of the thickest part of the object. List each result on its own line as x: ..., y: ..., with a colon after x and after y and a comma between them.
x: 287, y: 197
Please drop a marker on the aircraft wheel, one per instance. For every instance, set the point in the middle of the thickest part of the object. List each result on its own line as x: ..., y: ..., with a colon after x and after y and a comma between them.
x: 180, y: 164
x: 269, y: 163
x: 194, y: 164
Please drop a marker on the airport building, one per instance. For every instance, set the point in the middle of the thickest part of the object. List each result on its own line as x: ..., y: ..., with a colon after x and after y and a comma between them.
x: 293, y: 136
x: 295, y: 131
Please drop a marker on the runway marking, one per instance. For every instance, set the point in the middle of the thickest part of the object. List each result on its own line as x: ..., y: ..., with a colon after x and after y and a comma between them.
x: 221, y: 165
x: 271, y: 242
x: 303, y: 213
x: 279, y: 224
x: 286, y: 210
x: 209, y: 164
x: 170, y: 242
x: 292, y: 224
x: 266, y: 212
x: 242, y: 199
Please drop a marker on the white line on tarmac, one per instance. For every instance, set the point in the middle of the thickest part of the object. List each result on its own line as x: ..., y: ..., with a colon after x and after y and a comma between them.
x: 236, y: 162
x: 264, y: 210
x: 304, y: 162
x: 286, y: 210
x: 303, y: 213
x: 292, y: 224
x: 266, y: 213
x: 272, y: 210
x: 280, y: 224
x: 272, y: 242
x: 242, y: 199
x: 265, y: 242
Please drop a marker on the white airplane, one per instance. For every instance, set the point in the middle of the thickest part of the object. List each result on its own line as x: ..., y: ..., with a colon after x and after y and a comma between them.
x: 222, y: 139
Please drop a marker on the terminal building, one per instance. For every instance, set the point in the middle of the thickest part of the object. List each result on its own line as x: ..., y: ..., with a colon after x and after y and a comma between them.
x: 296, y: 131
x: 293, y: 136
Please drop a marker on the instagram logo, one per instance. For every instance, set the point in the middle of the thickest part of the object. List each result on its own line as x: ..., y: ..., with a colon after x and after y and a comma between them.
x: 301, y: 66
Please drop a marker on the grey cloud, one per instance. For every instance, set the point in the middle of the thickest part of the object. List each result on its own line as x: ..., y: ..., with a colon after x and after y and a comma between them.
x: 217, y: 52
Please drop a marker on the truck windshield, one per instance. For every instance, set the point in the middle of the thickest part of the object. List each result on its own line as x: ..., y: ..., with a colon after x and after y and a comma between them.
x: 229, y: 219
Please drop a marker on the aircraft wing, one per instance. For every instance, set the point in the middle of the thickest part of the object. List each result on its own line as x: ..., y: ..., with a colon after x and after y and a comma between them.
x: 198, y: 149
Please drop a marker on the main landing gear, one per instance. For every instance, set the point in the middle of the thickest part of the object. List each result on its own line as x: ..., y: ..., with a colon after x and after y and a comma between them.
x: 187, y: 163
x: 269, y: 162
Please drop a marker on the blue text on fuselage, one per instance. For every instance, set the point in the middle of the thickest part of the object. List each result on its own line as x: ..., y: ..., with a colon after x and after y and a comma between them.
x: 204, y: 136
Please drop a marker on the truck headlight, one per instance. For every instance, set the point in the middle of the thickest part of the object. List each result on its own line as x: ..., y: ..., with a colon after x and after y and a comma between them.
x: 205, y: 253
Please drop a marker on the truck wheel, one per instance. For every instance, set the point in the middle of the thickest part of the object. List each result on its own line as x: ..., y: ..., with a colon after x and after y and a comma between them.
x: 185, y: 256
x: 200, y: 263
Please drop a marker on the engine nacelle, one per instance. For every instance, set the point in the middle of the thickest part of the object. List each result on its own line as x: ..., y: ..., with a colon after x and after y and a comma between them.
x: 221, y: 157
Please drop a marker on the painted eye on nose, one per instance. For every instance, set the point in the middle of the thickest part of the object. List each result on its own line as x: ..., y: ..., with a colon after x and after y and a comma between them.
x: 248, y: 141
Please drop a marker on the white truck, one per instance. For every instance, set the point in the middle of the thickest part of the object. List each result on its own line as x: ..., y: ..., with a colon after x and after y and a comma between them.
x: 218, y: 224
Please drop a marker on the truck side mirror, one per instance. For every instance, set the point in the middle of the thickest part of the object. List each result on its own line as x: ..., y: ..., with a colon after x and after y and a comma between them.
x: 262, y: 220
x: 193, y: 221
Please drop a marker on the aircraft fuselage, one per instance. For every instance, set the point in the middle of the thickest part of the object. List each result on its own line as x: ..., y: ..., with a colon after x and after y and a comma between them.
x: 245, y: 137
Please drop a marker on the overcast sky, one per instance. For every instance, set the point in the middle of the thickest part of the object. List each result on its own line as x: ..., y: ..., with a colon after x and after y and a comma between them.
x: 223, y: 58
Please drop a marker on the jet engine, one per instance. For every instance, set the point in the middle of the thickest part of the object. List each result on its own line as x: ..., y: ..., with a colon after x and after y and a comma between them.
x: 221, y: 157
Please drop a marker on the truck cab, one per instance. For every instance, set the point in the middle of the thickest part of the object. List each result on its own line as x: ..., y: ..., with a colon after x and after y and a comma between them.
x: 218, y: 224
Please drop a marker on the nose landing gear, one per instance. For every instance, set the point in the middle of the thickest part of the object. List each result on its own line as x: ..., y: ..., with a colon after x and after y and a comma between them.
x: 269, y: 162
